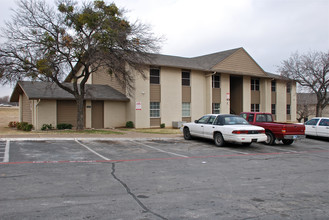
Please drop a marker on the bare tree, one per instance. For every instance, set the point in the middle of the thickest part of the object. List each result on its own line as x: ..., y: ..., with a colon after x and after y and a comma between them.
x: 44, y: 43
x: 311, y: 71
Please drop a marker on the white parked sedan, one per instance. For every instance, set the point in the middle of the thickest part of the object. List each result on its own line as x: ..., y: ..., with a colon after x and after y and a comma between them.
x: 318, y: 126
x: 224, y: 128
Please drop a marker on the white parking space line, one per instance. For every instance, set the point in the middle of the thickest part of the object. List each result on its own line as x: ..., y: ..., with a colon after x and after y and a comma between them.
x: 91, y: 150
x: 6, y: 155
x: 277, y: 148
x: 154, y: 148
x: 235, y: 151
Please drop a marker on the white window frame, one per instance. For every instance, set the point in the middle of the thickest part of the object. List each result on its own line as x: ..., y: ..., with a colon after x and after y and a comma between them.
x: 186, y: 109
x: 216, y: 109
x: 154, y: 109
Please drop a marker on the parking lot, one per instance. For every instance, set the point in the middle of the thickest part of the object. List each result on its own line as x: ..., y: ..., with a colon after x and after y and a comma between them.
x: 162, y: 179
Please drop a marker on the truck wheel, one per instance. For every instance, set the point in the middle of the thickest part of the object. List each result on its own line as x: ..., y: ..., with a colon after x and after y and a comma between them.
x: 287, y: 142
x: 270, y: 138
x: 187, y: 134
x: 219, y: 140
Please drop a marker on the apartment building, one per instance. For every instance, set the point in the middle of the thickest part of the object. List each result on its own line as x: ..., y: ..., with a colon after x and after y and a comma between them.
x: 176, y: 89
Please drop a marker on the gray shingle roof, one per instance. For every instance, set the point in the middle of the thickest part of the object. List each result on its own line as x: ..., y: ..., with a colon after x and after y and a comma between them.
x: 205, y: 63
x: 49, y: 90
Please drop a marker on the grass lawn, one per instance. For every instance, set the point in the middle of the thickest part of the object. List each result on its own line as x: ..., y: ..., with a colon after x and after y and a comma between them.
x: 153, y: 130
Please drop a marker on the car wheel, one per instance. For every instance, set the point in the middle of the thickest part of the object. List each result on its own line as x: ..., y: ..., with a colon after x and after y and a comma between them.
x: 270, y: 138
x: 219, y: 140
x: 287, y: 142
x: 187, y: 134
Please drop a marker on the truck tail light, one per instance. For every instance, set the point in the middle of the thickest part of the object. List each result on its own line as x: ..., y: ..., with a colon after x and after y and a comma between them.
x: 284, y: 130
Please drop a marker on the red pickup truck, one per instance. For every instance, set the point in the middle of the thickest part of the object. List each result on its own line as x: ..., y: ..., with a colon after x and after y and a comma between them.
x: 287, y: 132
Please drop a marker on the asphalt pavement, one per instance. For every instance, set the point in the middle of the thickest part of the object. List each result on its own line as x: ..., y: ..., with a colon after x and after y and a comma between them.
x: 162, y: 178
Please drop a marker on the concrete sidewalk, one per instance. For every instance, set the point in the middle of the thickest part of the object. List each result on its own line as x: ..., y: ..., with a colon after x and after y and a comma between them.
x: 51, y: 135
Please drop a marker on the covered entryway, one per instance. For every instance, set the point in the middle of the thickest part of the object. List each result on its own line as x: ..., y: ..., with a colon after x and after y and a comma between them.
x: 97, y: 114
x: 236, y: 86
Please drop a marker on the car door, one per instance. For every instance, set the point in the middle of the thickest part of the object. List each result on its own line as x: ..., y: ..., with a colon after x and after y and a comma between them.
x: 208, y: 129
x: 197, y: 128
x: 310, y: 126
x: 323, y: 128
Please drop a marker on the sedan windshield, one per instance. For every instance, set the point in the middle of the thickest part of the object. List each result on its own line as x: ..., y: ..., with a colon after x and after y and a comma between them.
x: 231, y: 120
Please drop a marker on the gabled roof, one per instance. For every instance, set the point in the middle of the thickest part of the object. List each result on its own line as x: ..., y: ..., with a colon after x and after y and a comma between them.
x: 205, y: 63
x: 49, y: 90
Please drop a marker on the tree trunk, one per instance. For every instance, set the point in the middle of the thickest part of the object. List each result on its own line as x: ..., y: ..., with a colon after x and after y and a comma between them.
x: 318, y: 110
x: 80, y: 115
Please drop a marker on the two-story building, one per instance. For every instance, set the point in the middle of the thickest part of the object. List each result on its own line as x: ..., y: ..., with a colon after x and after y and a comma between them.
x: 175, y: 89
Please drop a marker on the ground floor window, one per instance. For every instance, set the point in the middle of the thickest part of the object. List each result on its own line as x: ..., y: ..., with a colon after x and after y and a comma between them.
x: 186, y: 109
x: 155, y: 109
x: 255, y: 107
x: 273, y: 109
x: 216, y: 108
x: 288, y: 110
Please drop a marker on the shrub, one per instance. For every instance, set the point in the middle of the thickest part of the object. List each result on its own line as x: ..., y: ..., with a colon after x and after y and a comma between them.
x: 46, y: 127
x: 129, y: 124
x: 24, y: 126
x: 64, y: 126
x: 28, y: 127
x: 21, y: 125
x: 163, y: 125
x: 12, y: 124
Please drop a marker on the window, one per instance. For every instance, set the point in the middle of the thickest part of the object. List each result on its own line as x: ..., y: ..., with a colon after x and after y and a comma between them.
x: 324, y: 122
x: 288, y: 110
x: 255, y: 107
x: 273, y: 86
x: 155, y: 109
x: 312, y: 121
x: 216, y: 80
x: 155, y: 75
x: 288, y: 87
x: 255, y: 84
x: 264, y: 118
x: 203, y: 120
x: 251, y: 117
x: 186, y: 109
x: 230, y: 120
x: 273, y: 109
x: 211, y: 120
x: 186, y: 78
x: 216, y: 108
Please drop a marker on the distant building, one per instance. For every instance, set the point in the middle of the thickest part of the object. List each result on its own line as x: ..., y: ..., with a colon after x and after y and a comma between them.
x: 176, y: 89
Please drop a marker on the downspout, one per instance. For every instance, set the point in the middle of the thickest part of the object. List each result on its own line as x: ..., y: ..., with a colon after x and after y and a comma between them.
x: 37, y: 114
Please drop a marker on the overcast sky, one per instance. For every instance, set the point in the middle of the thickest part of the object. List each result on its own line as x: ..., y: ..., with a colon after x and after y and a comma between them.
x: 269, y: 30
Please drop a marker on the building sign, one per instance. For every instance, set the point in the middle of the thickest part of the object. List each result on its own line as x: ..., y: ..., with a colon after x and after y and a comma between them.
x: 138, y: 106
x: 228, y: 96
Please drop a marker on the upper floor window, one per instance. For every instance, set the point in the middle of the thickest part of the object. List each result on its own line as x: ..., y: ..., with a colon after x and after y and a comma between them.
x: 155, y: 75
x: 186, y: 77
x: 273, y: 86
x: 216, y: 80
x: 288, y: 87
x: 255, y: 84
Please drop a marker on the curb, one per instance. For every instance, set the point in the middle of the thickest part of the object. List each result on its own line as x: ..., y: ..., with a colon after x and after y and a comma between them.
x: 86, y: 139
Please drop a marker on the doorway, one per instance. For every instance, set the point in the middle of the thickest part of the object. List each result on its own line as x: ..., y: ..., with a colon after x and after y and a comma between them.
x: 236, y: 88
